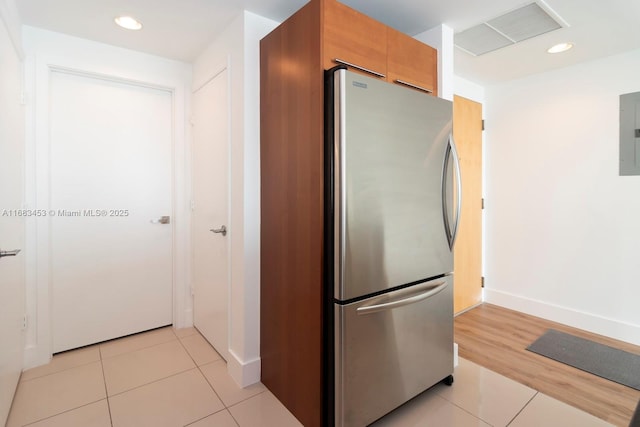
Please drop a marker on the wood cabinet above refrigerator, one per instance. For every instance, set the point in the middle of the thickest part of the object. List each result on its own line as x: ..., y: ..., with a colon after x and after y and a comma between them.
x: 411, y: 62
x: 293, y: 58
x: 363, y: 43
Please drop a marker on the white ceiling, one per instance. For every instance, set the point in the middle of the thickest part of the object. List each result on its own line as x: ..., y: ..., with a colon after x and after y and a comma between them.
x: 181, y: 29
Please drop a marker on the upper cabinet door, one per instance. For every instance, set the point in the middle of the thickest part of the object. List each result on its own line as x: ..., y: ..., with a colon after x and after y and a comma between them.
x: 411, y: 62
x: 353, y: 37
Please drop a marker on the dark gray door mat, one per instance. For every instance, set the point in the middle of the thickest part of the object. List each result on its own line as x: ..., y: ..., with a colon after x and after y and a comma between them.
x: 601, y: 360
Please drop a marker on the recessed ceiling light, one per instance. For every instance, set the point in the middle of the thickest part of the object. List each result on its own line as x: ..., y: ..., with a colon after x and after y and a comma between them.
x: 128, y: 22
x: 561, y: 47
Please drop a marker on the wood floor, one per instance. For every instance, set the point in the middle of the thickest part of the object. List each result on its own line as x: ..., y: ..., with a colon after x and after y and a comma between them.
x: 496, y: 338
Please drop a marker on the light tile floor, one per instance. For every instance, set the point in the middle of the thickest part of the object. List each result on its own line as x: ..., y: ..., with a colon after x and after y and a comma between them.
x: 174, y: 378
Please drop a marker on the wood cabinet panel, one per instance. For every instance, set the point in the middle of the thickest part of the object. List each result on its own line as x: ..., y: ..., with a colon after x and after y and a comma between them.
x: 353, y: 37
x: 291, y: 232
x: 292, y: 60
x: 411, y: 61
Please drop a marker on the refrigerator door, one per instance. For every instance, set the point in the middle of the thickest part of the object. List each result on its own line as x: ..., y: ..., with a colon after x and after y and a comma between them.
x: 390, y: 146
x: 390, y: 348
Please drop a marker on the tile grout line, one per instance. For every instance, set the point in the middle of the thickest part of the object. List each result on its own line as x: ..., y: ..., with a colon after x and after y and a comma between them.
x: 57, y: 372
x: 60, y: 413
x: 163, y: 378
x: 150, y: 382
x: 101, y: 359
x: 202, y: 373
x: 141, y: 348
x: 226, y: 408
x: 13, y: 399
x: 247, y: 398
x: 232, y: 417
x: 207, y: 416
x: 522, y: 409
x: 186, y: 336
x: 106, y: 392
x: 461, y: 408
x: 211, y: 385
x: 206, y: 380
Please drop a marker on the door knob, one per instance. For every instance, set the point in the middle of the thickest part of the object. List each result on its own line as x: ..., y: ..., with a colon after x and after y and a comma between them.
x: 222, y: 230
x: 9, y: 253
x: 161, y: 220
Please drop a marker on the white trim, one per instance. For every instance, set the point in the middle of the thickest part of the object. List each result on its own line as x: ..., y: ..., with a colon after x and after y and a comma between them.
x: 38, y: 349
x: 244, y: 373
x: 578, y: 319
x: 11, y: 18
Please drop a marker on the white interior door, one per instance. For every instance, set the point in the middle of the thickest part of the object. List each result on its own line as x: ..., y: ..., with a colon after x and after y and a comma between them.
x: 110, y: 182
x: 12, y: 283
x: 211, y: 212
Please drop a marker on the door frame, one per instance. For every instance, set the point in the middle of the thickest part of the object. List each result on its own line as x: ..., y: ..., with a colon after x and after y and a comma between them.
x: 39, y: 340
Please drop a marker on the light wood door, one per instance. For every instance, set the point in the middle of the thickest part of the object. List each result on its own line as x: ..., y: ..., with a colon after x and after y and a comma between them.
x: 111, y: 255
x: 211, y: 212
x: 467, y: 259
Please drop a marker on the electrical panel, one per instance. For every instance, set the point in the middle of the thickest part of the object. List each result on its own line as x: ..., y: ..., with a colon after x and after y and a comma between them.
x: 630, y: 134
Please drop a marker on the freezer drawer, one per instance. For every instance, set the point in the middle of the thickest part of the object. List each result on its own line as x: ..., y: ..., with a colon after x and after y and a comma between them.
x: 390, y: 348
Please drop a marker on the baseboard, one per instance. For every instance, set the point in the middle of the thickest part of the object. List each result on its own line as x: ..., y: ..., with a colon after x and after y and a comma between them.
x: 612, y: 328
x: 34, y: 357
x: 243, y: 373
x: 184, y: 321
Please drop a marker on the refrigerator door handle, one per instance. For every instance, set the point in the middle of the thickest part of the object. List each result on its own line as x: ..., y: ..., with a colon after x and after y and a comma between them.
x: 456, y: 162
x: 433, y: 290
x: 451, y: 233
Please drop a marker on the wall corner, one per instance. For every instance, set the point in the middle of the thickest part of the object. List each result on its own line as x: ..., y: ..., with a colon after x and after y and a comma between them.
x: 441, y: 38
x: 10, y: 16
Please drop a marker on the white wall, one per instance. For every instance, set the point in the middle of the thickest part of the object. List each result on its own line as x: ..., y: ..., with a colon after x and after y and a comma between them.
x: 562, y: 228
x: 468, y: 89
x: 44, y: 50
x: 237, y: 48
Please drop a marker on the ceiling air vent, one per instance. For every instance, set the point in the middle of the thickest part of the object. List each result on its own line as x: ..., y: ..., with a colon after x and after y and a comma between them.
x: 528, y: 21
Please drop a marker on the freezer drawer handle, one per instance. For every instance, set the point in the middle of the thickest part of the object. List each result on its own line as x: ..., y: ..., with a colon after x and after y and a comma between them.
x: 439, y: 287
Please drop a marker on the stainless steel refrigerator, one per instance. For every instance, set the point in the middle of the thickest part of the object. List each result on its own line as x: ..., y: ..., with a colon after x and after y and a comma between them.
x: 392, y: 210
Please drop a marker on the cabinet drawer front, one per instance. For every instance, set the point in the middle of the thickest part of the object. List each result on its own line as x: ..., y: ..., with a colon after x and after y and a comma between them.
x: 411, y: 61
x: 354, y: 38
